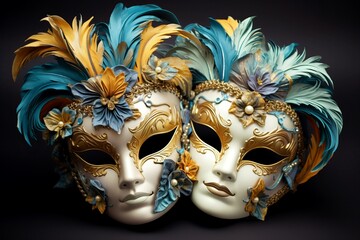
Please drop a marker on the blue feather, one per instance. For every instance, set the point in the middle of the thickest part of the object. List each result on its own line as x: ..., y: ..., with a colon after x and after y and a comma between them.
x: 40, y: 84
x: 316, y: 102
x: 221, y: 46
x: 121, y: 36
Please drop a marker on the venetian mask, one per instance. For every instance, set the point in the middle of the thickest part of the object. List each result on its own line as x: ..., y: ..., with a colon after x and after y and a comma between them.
x: 113, y: 107
x: 263, y: 120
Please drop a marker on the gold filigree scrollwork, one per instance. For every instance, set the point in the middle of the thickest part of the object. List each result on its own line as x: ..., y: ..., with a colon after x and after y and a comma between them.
x: 82, y: 141
x: 285, y: 108
x: 156, y: 122
x: 279, y: 141
x: 205, y: 113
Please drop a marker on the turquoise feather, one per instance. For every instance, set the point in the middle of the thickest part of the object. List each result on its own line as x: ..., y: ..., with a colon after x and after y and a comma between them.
x: 198, y: 58
x: 121, y: 36
x: 289, y: 61
x: 38, y: 89
x: 317, y: 102
x: 246, y: 39
x: 220, y: 45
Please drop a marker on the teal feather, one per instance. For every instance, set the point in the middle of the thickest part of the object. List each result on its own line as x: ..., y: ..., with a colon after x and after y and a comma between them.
x: 198, y: 58
x: 40, y: 84
x: 317, y: 102
x: 290, y: 62
x: 121, y: 36
x: 246, y: 39
x: 220, y: 45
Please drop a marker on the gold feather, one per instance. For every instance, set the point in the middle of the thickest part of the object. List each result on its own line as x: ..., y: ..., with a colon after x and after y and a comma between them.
x: 313, y: 159
x: 229, y: 25
x: 151, y: 37
x: 72, y: 43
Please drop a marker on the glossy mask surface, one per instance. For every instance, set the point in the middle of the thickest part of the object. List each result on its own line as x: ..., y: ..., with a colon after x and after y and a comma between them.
x: 237, y: 154
x: 123, y: 170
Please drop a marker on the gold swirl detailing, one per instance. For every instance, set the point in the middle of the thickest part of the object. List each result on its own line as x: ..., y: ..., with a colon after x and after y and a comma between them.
x: 156, y: 122
x: 205, y: 113
x: 82, y: 141
x: 279, y: 141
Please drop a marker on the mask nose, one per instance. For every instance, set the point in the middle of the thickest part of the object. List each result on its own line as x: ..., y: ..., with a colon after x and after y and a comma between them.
x: 129, y: 175
x: 226, y: 167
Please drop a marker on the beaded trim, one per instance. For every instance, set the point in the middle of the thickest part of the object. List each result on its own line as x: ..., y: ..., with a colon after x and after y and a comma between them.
x: 279, y: 194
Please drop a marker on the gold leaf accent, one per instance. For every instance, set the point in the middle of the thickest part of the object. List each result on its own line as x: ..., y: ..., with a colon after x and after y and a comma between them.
x: 278, y: 141
x: 74, y: 43
x: 156, y: 122
x: 82, y: 141
x: 205, y: 113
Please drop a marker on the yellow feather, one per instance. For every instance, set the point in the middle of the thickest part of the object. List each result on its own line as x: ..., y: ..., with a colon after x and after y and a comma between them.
x: 314, y: 158
x: 151, y: 37
x: 229, y: 25
x: 73, y: 44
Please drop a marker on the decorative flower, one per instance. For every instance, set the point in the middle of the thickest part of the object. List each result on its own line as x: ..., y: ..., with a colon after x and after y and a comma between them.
x: 188, y: 166
x: 249, y: 108
x: 256, y: 203
x: 172, y: 184
x: 97, y: 197
x: 288, y: 172
x: 106, y: 93
x: 159, y: 70
x: 60, y: 122
x: 260, y: 81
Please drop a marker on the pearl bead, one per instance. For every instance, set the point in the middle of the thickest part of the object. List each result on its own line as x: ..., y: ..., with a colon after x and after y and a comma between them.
x: 174, y: 182
x: 158, y: 69
x: 249, y: 109
x: 97, y: 198
x: 255, y: 200
x: 187, y: 169
x: 61, y: 124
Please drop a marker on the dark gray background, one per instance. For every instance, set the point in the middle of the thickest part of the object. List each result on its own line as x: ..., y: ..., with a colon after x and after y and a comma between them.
x: 327, y: 207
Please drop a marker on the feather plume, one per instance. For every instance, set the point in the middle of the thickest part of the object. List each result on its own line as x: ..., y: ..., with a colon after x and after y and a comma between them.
x: 38, y: 91
x: 151, y: 37
x: 245, y: 39
x: 121, y: 36
x: 290, y: 62
x: 316, y: 150
x: 316, y: 102
x: 183, y: 76
x: 229, y: 25
x: 73, y: 44
x: 198, y: 57
x: 220, y: 45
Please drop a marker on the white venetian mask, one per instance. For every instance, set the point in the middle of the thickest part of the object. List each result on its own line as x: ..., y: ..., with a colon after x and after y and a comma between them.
x: 241, y: 143
x: 122, y: 171
x: 112, y: 106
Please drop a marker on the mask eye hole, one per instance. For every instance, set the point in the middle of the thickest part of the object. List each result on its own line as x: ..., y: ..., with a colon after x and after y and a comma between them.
x: 155, y: 143
x: 96, y: 157
x: 263, y: 156
x: 207, y: 135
